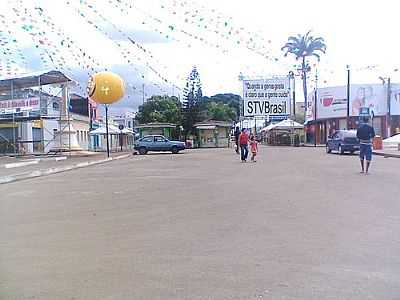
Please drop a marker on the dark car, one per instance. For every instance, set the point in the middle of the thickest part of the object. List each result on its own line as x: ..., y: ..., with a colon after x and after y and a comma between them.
x: 158, y: 143
x: 343, y: 141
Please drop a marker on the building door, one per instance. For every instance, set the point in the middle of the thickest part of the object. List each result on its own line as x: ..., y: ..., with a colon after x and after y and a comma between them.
x: 37, y: 136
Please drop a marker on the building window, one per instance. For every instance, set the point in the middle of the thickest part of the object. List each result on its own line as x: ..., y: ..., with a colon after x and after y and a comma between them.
x: 56, y: 106
x: 77, y: 134
x: 129, y: 124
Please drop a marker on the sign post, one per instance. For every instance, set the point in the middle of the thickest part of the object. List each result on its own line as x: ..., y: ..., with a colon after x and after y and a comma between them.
x: 120, y: 127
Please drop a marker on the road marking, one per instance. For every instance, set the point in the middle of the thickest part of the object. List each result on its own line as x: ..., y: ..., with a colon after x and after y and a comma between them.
x: 39, y: 173
x: 21, y: 164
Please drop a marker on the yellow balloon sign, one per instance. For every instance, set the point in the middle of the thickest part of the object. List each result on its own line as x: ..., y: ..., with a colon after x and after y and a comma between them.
x: 106, y: 87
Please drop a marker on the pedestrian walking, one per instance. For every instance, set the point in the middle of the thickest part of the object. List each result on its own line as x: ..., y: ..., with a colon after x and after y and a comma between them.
x: 244, y: 142
x: 237, y: 134
x: 253, y: 148
x: 365, y: 133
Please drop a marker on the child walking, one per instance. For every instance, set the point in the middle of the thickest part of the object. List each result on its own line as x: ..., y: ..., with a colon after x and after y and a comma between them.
x: 253, y: 148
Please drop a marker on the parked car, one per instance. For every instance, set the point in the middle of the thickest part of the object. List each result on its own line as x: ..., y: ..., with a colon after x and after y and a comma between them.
x: 158, y: 143
x: 343, y: 141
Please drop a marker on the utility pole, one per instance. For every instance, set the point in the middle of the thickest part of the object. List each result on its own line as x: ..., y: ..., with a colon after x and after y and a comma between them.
x: 348, y: 97
x: 291, y: 77
x: 315, y: 108
x: 388, y: 121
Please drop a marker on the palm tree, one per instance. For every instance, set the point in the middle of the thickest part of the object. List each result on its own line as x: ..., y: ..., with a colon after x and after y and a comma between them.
x: 302, y: 46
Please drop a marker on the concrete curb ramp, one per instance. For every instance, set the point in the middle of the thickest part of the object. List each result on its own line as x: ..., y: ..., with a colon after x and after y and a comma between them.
x: 39, y: 173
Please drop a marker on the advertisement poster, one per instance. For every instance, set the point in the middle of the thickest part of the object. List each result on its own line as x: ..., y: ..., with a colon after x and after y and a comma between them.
x: 266, y: 97
x: 373, y: 96
x: 310, y: 107
x: 332, y: 102
x: 395, y: 101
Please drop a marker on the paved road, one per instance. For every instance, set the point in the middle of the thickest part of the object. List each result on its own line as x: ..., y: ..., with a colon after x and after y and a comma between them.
x: 298, y: 224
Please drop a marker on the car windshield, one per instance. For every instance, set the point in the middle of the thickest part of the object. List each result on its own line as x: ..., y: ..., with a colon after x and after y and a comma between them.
x: 199, y: 150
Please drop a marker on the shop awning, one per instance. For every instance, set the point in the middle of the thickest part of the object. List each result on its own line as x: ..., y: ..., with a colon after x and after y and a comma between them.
x: 33, y: 79
x: 102, y: 130
x: 283, y: 125
x: 205, y: 127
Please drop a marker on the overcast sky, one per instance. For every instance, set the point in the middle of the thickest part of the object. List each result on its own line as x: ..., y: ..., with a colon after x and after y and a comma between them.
x: 362, y: 34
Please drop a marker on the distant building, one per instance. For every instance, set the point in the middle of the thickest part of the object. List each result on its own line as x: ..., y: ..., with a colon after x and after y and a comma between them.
x: 127, y: 120
x: 31, y: 107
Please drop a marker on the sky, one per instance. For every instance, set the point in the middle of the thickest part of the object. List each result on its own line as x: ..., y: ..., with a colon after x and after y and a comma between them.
x: 171, y: 36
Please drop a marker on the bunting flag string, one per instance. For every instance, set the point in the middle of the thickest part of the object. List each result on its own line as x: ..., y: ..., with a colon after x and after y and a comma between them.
x: 93, y: 23
x: 14, y: 59
x: 126, y: 52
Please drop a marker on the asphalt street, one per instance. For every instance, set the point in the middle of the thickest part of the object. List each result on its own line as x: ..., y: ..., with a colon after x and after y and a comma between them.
x: 298, y: 224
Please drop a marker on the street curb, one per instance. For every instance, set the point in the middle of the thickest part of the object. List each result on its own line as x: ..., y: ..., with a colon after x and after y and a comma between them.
x: 40, y: 173
x: 386, y: 154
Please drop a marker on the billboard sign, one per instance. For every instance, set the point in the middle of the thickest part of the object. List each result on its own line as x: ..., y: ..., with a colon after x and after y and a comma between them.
x: 18, y: 105
x: 332, y: 102
x: 266, y: 97
x: 373, y: 96
x: 395, y: 101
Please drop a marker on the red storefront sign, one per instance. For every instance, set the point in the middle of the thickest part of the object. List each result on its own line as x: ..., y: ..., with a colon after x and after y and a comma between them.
x: 22, y: 104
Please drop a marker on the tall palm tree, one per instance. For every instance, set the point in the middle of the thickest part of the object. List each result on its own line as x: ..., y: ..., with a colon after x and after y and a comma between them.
x: 302, y: 46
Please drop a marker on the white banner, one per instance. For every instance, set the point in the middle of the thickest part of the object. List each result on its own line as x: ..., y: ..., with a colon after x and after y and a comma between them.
x: 310, y: 107
x: 263, y: 97
x: 15, y: 105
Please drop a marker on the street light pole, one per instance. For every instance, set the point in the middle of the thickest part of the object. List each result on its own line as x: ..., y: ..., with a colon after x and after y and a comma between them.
x: 315, y: 108
x: 108, y: 145
x: 348, y: 97
x: 291, y: 76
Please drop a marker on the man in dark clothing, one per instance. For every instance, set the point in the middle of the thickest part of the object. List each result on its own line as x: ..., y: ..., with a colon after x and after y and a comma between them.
x: 237, y: 133
x: 365, y: 133
x: 244, y: 142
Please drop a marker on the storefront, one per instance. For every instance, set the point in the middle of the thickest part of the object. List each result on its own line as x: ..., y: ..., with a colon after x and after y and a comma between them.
x: 331, y: 110
x: 213, y: 134
x: 168, y: 130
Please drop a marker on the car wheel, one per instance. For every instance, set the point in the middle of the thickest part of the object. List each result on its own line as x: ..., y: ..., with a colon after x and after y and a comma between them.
x: 174, y: 150
x: 142, y: 150
x: 340, y: 150
x: 328, y: 150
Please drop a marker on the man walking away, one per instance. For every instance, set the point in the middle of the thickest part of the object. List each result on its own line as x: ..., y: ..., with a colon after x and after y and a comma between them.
x: 237, y: 133
x: 365, y: 133
x: 243, y: 142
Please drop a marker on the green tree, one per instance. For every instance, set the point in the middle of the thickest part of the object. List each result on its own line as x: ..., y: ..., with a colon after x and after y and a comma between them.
x: 192, y: 97
x: 303, y: 46
x: 220, y: 111
x: 231, y: 100
x: 163, y: 109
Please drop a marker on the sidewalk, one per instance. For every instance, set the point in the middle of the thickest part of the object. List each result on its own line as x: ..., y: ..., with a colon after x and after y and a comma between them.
x: 387, y: 153
x: 14, y: 169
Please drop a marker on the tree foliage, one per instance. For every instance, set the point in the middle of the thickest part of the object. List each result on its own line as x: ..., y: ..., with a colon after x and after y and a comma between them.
x: 232, y: 101
x: 303, y: 46
x: 192, y: 98
x: 220, y: 112
x: 162, y: 109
